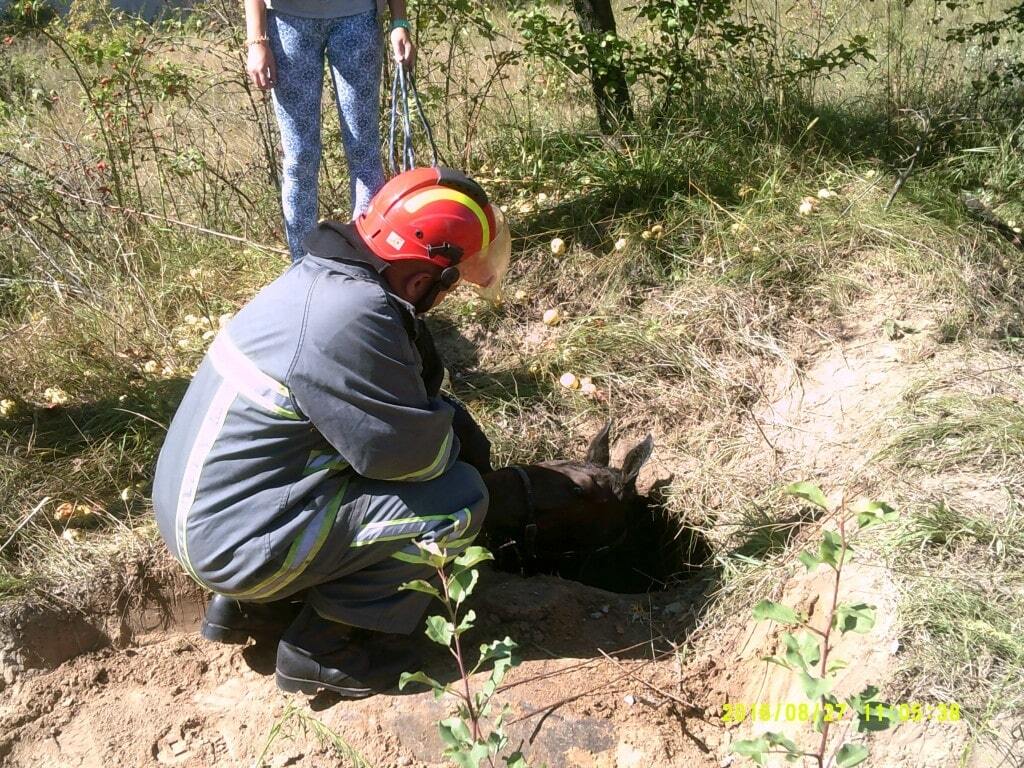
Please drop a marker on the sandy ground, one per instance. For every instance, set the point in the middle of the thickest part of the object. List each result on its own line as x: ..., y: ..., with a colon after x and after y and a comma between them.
x: 600, y: 684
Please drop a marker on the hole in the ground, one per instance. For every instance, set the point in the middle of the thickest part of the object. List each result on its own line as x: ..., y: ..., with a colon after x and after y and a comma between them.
x: 655, y: 552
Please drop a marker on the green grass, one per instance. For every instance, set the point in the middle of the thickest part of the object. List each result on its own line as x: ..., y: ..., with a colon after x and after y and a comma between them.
x: 959, y: 553
x: 682, y: 332
x: 295, y: 722
x: 958, y: 430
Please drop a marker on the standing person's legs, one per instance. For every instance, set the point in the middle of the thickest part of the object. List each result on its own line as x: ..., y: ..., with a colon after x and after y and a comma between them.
x: 298, y: 47
x: 354, y: 52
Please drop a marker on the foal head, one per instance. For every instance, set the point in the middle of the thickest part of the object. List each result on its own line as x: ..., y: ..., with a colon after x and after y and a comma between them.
x: 583, y: 506
x: 579, y: 509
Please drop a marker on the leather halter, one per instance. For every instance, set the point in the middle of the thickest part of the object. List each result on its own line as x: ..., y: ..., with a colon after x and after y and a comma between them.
x: 530, y: 526
x: 528, y: 538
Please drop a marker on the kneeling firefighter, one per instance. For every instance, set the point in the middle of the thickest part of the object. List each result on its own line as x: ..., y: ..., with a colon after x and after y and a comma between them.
x: 312, y: 450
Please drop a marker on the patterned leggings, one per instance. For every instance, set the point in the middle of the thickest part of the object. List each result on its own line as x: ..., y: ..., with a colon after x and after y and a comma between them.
x: 352, y: 45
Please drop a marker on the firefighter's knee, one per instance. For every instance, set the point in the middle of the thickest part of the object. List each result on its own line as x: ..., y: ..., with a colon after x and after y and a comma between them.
x: 466, y: 483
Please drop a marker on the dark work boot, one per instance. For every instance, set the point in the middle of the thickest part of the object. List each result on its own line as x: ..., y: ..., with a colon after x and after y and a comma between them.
x: 231, y: 621
x: 316, y: 654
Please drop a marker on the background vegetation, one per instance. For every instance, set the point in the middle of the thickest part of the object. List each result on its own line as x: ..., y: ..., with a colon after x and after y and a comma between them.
x: 138, y: 206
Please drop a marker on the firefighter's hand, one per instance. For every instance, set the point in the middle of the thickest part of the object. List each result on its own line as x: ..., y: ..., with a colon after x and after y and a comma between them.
x: 475, y: 448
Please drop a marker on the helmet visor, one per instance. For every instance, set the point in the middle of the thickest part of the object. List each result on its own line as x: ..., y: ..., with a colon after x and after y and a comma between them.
x: 486, y: 269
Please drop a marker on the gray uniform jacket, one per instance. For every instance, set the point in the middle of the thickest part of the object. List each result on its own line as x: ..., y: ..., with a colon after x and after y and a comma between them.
x: 318, y: 378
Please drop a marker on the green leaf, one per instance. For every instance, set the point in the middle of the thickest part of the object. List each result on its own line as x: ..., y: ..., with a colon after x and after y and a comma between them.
x: 516, y: 760
x: 431, y: 554
x: 496, y: 741
x: 780, y: 740
x: 483, y: 695
x: 850, y: 755
x: 440, y: 630
x: 501, y: 667
x: 454, y: 732
x: 419, y: 585
x: 814, y: 687
x: 882, y: 717
x: 835, y: 665
x: 858, y: 702
x: 809, y: 560
x: 499, y: 649
x: 831, y: 548
x: 767, y: 609
x: 777, y: 660
x: 874, y: 513
x: 752, y: 748
x: 471, y: 556
x: 859, y: 618
x: 872, y: 714
x: 468, y: 758
x: 420, y: 558
x: 808, y: 492
x: 461, y: 585
x: 802, y: 651
x: 466, y: 623
x: 425, y: 679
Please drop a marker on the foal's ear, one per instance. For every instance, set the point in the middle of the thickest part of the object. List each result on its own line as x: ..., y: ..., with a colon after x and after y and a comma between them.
x: 635, y: 459
x: 597, y: 451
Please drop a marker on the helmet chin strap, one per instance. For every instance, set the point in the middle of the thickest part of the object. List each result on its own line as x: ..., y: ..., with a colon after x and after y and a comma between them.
x: 448, y: 278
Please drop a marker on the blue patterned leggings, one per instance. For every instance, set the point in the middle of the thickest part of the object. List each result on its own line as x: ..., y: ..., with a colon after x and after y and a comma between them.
x: 352, y: 45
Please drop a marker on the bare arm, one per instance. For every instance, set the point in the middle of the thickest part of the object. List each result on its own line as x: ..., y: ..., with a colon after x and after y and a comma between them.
x: 402, y: 45
x: 260, y: 65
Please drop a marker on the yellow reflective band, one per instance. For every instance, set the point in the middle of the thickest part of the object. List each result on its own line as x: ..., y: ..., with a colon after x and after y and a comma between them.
x: 288, y: 571
x: 435, y: 467
x: 426, y: 197
x: 371, y: 533
x: 323, y: 460
x: 404, y: 520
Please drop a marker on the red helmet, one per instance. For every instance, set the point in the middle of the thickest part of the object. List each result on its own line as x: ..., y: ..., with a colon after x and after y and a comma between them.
x: 441, y: 216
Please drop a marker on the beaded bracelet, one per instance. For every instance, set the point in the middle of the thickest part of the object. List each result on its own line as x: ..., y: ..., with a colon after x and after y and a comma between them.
x: 256, y: 41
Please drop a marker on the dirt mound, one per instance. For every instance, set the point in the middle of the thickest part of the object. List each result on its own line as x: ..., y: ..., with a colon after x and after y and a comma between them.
x: 173, y: 699
x: 600, y: 685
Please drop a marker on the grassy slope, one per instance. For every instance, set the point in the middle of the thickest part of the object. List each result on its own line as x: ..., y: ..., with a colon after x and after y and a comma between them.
x: 682, y: 332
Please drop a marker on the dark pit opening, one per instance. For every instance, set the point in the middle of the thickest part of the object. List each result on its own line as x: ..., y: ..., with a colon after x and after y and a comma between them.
x: 655, y: 553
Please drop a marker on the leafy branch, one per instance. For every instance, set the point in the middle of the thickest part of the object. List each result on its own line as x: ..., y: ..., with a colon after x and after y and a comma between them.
x: 471, y: 735
x: 808, y: 652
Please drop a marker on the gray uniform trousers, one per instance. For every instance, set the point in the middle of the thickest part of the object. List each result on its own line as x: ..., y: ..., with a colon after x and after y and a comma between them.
x: 355, y: 579
x: 355, y: 582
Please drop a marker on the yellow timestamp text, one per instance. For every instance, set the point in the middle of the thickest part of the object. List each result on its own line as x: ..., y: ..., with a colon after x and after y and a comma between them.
x: 810, y: 712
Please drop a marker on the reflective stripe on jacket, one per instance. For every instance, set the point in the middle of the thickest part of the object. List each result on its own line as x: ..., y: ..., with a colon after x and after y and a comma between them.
x: 316, y: 378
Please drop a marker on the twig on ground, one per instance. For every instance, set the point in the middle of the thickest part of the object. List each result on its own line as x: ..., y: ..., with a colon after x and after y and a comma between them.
x: 688, y: 708
x: 25, y: 522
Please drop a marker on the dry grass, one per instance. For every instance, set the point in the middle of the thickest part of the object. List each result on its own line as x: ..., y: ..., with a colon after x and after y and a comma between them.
x: 956, y: 445
x: 683, y: 333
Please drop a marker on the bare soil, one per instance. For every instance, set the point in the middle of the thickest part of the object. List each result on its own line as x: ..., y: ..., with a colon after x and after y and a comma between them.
x: 600, y: 686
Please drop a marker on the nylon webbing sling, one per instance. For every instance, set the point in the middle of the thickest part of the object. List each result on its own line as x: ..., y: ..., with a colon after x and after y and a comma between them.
x: 403, y: 84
